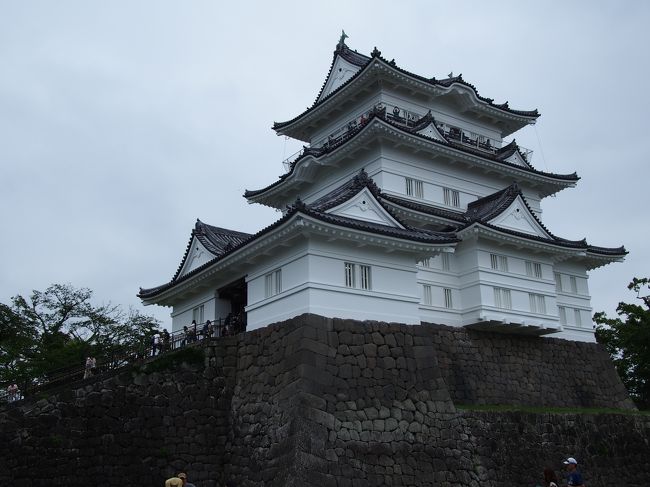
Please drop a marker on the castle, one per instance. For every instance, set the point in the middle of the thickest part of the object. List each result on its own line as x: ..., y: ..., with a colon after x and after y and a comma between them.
x: 405, y: 205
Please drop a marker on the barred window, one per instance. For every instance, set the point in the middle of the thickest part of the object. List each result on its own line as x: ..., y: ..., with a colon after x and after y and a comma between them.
x: 445, y: 261
x: 578, y: 317
x: 451, y: 197
x: 534, y: 269
x: 502, y: 298
x: 426, y: 294
x: 562, y: 311
x: 426, y: 262
x: 448, y: 298
x: 273, y: 283
x: 358, y: 275
x: 499, y: 262
x: 558, y: 281
x: 350, y: 272
x: 414, y: 187
x: 537, y: 303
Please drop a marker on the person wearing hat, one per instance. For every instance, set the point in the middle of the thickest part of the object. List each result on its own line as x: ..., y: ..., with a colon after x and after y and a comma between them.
x: 574, y: 479
x: 183, y: 477
x: 173, y: 482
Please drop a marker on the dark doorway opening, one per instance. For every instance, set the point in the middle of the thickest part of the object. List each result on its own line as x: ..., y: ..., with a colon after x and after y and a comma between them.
x: 236, y: 293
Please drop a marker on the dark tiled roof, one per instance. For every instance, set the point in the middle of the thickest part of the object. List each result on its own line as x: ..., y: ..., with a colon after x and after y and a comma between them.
x: 349, y: 55
x: 316, y: 211
x: 424, y: 208
x: 381, y: 115
x: 376, y: 54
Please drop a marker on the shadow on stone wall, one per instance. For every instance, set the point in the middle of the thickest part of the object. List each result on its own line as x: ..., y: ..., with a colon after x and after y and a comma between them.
x: 321, y: 402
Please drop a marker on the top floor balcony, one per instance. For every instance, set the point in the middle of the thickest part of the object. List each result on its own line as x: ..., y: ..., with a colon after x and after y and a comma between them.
x: 408, y: 119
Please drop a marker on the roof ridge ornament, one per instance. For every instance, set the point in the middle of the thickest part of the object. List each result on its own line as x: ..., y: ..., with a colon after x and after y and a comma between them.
x: 375, y: 52
x: 341, y: 43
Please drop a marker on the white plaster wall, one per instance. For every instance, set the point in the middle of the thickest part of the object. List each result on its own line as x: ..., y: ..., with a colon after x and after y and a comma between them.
x: 315, y: 283
x: 182, y: 313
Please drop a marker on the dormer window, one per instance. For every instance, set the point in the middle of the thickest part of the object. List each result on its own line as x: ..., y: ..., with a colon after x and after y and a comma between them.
x: 414, y: 187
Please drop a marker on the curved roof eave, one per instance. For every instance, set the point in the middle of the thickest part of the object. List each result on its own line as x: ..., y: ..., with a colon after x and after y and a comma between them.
x: 382, y: 231
x: 560, y: 180
x: 442, y: 86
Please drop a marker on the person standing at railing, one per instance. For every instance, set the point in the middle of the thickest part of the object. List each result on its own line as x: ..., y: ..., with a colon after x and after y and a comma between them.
x: 12, y: 391
x: 193, y: 332
x: 91, y: 366
x: 166, y: 341
x: 155, y: 345
x: 207, y: 329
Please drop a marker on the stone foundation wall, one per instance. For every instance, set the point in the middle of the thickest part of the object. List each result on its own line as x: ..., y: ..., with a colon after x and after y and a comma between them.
x: 321, y: 402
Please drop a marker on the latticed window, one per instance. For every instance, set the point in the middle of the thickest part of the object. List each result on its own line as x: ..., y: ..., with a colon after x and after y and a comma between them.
x: 562, y: 311
x: 349, y: 274
x: 499, y: 262
x: 197, y: 314
x: 426, y: 294
x: 558, y: 281
x: 534, y: 269
x: 358, y: 275
x: 537, y: 303
x: 273, y: 283
x: 445, y: 261
x: 578, y: 317
x: 502, y: 298
x: 451, y: 197
x: 448, y: 298
x: 364, y: 273
x: 426, y: 262
x: 414, y: 187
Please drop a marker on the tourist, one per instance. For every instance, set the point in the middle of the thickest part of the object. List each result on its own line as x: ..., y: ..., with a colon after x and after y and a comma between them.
x: 166, y: 341
x: 207, y: 329
x: 550, y: 479
x: 186, y: 336
x: 12, y: 391
x: 154, y: 344
x: 183, y: 477
x: 173, y: 482
x: 91, y: 366
x: 193, y: 331
x: 574, y: 477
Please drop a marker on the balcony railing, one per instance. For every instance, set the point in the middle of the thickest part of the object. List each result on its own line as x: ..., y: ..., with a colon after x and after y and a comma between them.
x: 405, y: 118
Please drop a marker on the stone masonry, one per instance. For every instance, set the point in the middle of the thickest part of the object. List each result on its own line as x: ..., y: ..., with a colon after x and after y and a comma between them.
x: 334, y: 403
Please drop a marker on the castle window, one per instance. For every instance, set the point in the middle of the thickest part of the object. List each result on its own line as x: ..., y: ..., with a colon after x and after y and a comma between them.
x: 537, y: 303
x: 578, y: 317
x: 448, y: 299
x: 445, y: 261
x: 414, y: 187
x: 357, y: 276
x: 426, y: 262
x: 574, y: 285
x: 534, y: 269
x: 197, y: 314
x: 502, y: 298
x: 426, y: 294
x: 562, y: 311
x: 499, y: 262
x: 558, y: 281
x: 273, y: 283
x: 451, y: 197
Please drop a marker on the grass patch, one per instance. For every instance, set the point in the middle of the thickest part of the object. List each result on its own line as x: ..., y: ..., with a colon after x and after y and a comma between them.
x: 497, y: 408
x: 173, y: 360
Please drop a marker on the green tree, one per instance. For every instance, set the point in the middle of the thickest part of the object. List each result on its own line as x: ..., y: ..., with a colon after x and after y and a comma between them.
x: 60, y: 327
x: 627, y: 339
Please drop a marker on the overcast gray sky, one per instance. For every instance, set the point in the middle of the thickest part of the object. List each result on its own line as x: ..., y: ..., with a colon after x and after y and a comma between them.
x: 122, y: 122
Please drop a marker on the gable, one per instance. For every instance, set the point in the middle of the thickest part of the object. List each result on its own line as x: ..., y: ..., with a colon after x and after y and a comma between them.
x: 196, y: 257
x: 518, y: 217
x: 364, y: 206
x: 432, y: 132
x: 341, y: 72
x: 517, y: 159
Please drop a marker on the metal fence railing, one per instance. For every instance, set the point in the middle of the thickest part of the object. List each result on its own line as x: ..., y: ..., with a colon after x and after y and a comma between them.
x: 122, y: 356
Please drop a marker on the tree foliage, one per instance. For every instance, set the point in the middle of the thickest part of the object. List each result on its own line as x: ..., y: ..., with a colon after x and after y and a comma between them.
x: 627, y: 339
x: 60, y: 327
